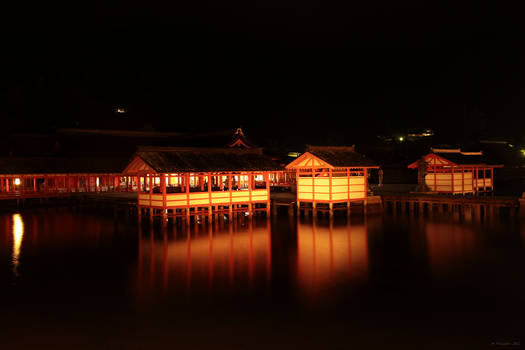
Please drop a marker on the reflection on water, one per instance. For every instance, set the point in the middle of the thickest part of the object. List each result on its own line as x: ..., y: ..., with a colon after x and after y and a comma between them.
x: 18, y: 235
x: 448, y: 244
x: 202, y: 258
x: 101, y: 272
x: 328, y: 256
x: 307, y: 260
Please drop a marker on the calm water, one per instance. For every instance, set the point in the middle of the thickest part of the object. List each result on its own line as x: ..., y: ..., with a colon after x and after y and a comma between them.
x: 72, y: 279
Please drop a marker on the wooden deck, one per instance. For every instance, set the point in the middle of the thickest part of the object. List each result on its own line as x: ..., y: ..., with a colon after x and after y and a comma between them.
x: 429, y: 203
x: 32, y: 194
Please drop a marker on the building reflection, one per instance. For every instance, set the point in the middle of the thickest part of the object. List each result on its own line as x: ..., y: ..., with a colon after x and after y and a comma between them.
x: 449, y: 244
x: 204, y: 259
x: 330, y: 256
x: 18, y: 236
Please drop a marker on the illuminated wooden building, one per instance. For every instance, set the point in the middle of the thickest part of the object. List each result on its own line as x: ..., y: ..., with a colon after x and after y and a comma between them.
x: 329, y: 175
x: 455, y: 172
x: 39, y: 177
x: 187, y: 181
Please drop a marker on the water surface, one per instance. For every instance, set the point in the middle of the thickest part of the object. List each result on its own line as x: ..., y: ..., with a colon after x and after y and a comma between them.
x: 96, y: 279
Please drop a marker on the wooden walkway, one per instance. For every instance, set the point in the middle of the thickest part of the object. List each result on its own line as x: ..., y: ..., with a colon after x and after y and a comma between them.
x: 430, y: 203
x: 32, y: 194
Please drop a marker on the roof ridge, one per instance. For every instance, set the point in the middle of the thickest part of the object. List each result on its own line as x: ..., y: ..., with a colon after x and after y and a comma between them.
x: 255, y: 150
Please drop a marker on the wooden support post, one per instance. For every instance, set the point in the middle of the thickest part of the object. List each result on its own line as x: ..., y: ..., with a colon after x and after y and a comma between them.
x: 331, y: 209
x: 313, y: 188
x: 210, y: 208
x: 250, y: 185
x: 163, y: 191
x: 268, y: 203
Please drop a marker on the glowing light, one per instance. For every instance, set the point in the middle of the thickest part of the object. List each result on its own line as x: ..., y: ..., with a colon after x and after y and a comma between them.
x: 18, y: 235
x: 401, y: 138
x: 121, y: 110
x: 17, y: 181
x: 294, y: 154
x: 522, y: 152
x: 98, y: 181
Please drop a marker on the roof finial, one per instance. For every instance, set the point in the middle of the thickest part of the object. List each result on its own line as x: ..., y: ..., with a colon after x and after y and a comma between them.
x: 239, y: 132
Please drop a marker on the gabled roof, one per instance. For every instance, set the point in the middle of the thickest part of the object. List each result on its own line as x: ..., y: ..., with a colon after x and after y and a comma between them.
x: 453, y: 157
x: 60, y: 165
x: 331, y: 157
x: 183, y: 159
x: 240, y: 140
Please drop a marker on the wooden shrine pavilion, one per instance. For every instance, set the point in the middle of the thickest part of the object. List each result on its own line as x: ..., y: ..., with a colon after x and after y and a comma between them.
x: 40, y: 177
x: 453, y: 171
x: 187, y: 181
x: 330, y: 175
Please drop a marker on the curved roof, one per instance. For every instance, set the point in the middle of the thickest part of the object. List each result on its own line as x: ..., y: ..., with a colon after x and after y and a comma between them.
x: 340, y: 156
x: 183, y: 159
x: 332, y: 157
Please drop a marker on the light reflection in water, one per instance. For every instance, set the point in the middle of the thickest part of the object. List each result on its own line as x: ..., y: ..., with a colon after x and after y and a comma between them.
x: 18, y: 235
x: 225, y: 259
x: 449, y: 244
x: 328, y: 256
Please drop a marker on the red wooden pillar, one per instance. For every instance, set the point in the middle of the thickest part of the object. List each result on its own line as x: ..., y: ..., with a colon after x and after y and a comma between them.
x: 492, y: 179
x: 250, y: 184
x: 46, y: 183
x: 266, y: 177
x: 209, y: 190
x: 230, y: 186
x: 139, y: 189
x: 435, y: 176
x: 163, y: 189
x: 68, y: 185
x: 187, y: 183
x: 348, y: 183
x: 365, y: 172
x: 475, y: 170
x: 462, y: 180
x: 201, y: 180
x: 330, y: 185
x: 313, y: 188
x: 453, y: 172
x: 150, y: 189
x: 484, y: 183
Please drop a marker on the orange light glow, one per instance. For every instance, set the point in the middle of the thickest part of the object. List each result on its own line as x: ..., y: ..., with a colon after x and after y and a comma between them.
x: 17, y: 181
x: 18, y: 235
x: 209, y: 259
x: 327, y: 255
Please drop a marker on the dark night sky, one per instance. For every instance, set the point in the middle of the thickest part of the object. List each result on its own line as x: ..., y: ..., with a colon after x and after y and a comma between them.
x: 346, y: 68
